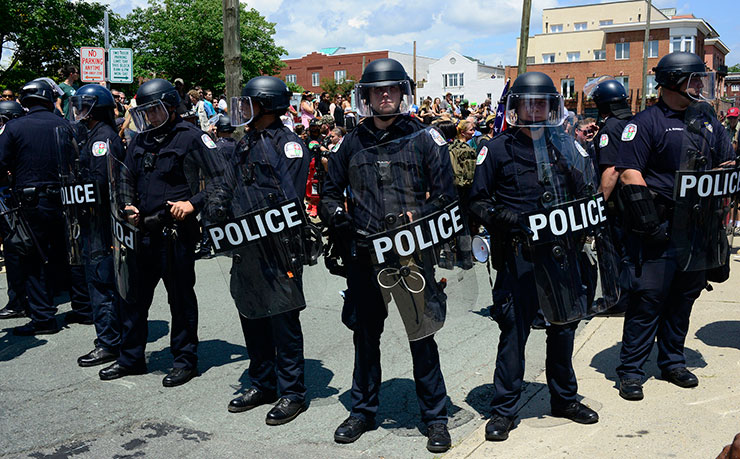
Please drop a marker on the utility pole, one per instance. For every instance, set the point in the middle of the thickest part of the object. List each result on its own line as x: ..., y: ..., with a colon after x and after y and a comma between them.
x: 106, y: 33
x: 232, y: 49
x: 524, y: 36
x: 414, y: 72
x: 645, y: 46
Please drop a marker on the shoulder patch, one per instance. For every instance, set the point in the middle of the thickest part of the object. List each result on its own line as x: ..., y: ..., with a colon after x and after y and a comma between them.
x: 709, y: 127
x: 437, y: 137
x: 629, y: 132
x: 603, y: 140
x: 99, y: 149
x: 481, y: 156
x: 293, y: 150
x: 580, y: 149
x: 208, y: 141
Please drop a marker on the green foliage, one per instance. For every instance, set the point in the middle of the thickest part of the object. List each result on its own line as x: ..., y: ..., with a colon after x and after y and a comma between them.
x: 344, y: 88
x: 184, y: 38
x: 295, y: 87
x: 44, y: 35
x: 734, y: 69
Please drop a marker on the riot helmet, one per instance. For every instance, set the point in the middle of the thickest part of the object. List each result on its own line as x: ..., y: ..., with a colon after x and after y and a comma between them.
x: 611, y: 98
x: 272, y: 95
x: 678, y: 67
x: 223, y: 124
x: 385, y: 90
x: 93, y: 101
x: 37, y: 91
x: 10, y: 109
x: 533, y: 100
x: 154, y: 99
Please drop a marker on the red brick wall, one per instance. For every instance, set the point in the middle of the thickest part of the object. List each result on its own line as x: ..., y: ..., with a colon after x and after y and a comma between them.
x: 304, y: 67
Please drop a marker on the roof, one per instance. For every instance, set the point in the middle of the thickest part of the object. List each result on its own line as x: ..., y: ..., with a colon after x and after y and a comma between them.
x: 700, y: 24
x: 331, y: 51
x: 717, y: 43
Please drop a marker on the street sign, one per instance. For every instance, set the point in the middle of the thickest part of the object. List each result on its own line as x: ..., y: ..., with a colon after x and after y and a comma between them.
x: 121, y: 65
x: 92, y: 64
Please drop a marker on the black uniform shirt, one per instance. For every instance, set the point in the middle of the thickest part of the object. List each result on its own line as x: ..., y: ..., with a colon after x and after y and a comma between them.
x: 102, y: 141
x: 657, y: 140
x: 285, y: 142
x: 607, y: 144
x: 28, y: 148
x: 433, y: 177
x: 506, y: 173
x: 168, y: 170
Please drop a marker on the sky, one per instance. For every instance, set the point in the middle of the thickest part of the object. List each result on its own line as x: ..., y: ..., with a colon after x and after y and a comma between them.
x: 484, y: 29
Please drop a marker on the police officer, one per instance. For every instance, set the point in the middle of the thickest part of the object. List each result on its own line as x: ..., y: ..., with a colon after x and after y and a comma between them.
x: 505, y: 186
x: 28, y: 152
x: 614, y: 112
x: 274, y: 339
x: 224, y: 140
x: 17, y: 305
x: 164, y: 158
x: 385, y: 93
x: 653, y: 147
x: 93, y: 105
x: 611, y: 99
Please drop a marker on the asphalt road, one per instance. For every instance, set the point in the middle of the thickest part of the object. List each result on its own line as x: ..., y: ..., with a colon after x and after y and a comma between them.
x: 52, y: 408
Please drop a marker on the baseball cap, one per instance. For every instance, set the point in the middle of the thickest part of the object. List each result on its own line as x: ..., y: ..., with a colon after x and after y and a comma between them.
x: 733, y: 112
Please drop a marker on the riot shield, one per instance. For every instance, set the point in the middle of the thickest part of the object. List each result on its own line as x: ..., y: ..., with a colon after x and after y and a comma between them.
x: 125, y: 236
x: 569, y: 244
x: 74, y: 192
x: 706, y: 184
x: 409, y: 221
x: 253, y: 214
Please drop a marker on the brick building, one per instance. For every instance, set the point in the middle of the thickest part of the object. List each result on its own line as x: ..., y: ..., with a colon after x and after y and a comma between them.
x: 310, y: 70
x: 580, y: 43
x: 732, y: 88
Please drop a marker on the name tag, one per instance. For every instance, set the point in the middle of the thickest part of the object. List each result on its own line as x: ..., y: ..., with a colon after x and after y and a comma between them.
x: 84, y: 193
x: 254, y: 226
x: 418, y: 235
x: 715, y: 183
x: 124, y: 232
x: 567, y: 218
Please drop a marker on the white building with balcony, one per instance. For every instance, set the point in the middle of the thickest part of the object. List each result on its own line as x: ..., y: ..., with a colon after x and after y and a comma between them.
x: 463, y: 77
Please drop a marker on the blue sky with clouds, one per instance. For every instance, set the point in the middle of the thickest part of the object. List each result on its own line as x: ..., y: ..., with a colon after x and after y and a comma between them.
x: 486, y: 29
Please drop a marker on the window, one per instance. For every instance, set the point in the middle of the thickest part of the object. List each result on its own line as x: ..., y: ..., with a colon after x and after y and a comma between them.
x: 291, y: 78
x: 581, y: 25
x: 556, y: 28
x: 651, y: 91
x: 589, y: 79
x: 625, y: 82
x: 315, y: 79
x: 488, y: 95
x: 453, y: 80
x: 735, y: 87
x: 340, y: 76
x: 682, y: 43
x: 604, y: 22
x: 530, y: 60
x: 568, y: 88
x: 600, y: 54
x: 548, y: 58
x: 622, y: 50
x: 653, y: 48
x: 574, y: 56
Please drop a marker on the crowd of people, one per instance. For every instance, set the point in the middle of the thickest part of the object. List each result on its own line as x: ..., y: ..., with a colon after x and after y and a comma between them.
x: 132, y: 192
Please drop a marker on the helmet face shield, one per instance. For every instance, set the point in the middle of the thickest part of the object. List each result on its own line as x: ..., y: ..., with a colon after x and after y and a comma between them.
x: 150, y: 116
x: 82, y: 106
x: 385, y: 98
x: 530, y: 110
x: 590, y: 87
x: 700, y: 86
x: 3, y: 119
x: 241, y: 110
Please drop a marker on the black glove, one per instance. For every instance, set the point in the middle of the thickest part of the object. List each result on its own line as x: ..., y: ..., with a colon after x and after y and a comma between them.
x: 340, y: 221
x: 503, y: 218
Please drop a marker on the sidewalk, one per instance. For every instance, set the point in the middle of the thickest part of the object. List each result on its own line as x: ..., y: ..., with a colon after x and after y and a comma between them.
x: 669, y: 422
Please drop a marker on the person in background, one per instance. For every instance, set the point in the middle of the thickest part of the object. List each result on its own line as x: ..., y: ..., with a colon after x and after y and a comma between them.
x: 71, y: 74
x: 306, y: 109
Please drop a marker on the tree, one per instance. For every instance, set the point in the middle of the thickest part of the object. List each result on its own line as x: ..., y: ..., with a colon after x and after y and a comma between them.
x: 43, y: 35
x: 734, y: 69
x: 184, y: 38
x: 332, y: 87
x: 295, y: 87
